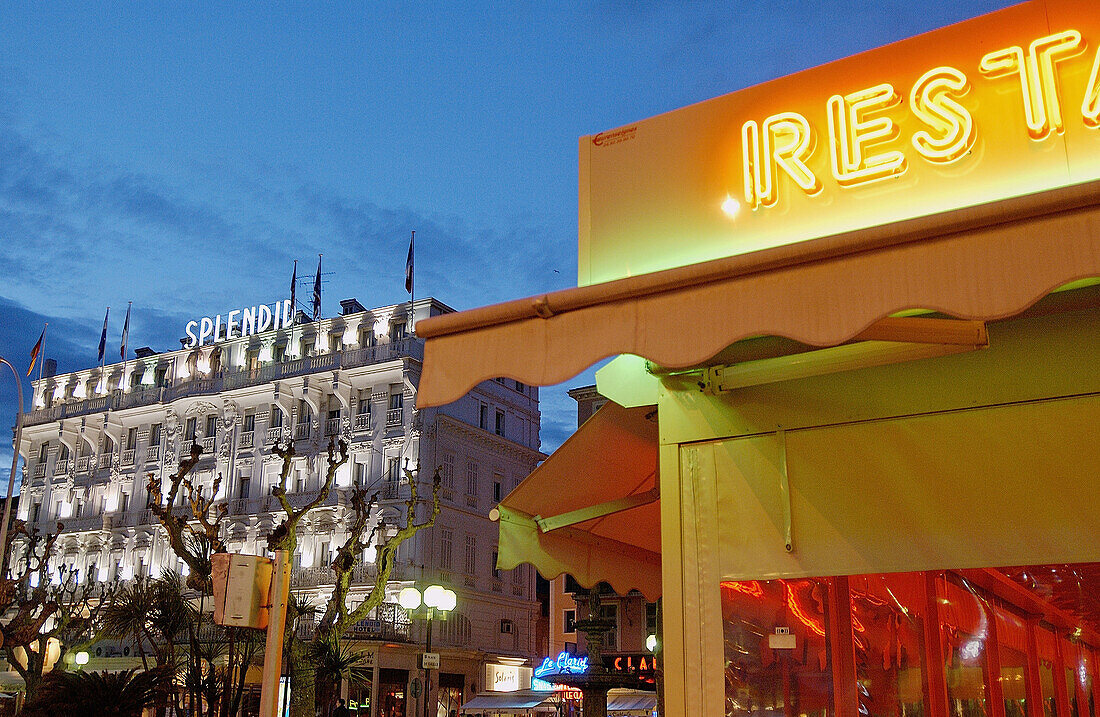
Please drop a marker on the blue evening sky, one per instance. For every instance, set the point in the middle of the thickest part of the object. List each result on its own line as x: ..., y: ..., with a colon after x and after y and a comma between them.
x: 182, y: 155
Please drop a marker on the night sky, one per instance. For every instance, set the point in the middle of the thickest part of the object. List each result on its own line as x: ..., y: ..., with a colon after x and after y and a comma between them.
x: 182, y: 156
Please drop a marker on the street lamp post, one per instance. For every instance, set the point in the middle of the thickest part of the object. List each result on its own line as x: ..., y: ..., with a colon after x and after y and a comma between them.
x: 14, y: 465
x: 436, y: 598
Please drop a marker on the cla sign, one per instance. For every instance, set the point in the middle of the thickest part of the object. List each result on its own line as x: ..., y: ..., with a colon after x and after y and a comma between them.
x: 863, y: 140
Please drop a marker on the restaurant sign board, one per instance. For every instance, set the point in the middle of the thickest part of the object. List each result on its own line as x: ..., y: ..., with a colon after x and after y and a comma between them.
x: 1003, y: 105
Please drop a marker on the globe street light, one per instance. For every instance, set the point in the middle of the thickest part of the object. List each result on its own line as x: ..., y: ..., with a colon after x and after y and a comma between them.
x: 435, y: 598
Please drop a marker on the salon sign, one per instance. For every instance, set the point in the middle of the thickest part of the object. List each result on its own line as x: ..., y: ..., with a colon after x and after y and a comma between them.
x: 999, y: 106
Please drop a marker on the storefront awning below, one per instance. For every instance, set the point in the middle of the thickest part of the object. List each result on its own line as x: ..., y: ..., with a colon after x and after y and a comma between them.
x: 592, y: 508
x: 497, y: 702
x: 634, y: 703
x: 983, y: 263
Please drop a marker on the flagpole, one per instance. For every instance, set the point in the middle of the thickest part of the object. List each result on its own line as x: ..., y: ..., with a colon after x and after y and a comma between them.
x: 42, y: 352
x: 412, y: 284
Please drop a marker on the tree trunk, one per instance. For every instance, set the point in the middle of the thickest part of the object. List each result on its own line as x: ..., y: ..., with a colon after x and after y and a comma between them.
x: 302, y: 682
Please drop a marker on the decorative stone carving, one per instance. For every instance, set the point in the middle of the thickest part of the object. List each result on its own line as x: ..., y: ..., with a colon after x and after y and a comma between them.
x: 201, y: 408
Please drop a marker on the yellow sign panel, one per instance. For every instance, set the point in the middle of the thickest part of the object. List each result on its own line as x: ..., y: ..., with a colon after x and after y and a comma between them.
x: 999, y: 106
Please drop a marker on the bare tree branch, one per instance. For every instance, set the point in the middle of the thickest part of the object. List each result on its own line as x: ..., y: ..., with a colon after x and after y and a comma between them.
x: 285, y: 535
x: 192, y: 545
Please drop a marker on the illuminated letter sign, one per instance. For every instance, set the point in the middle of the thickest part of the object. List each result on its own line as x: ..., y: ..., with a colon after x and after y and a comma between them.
x: 254, y: 320
x: 852, y: 133
x: 1038, y: 83
x: 934, y: 101
x: 1000, y: 106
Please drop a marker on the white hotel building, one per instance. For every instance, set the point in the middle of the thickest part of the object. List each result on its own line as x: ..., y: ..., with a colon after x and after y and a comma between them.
x: 94, y: 436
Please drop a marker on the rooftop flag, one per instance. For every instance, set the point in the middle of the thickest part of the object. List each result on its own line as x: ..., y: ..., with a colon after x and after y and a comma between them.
x: 36, y: 350
x: 103, y: 336
x: 409, y: 266
x: 293, y: 284
x: 125, y: 331
x: 317, y: 291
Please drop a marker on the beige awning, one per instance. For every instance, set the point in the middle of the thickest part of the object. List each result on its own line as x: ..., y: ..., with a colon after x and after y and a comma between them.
x: 591, y: 509
x: 985, y: 262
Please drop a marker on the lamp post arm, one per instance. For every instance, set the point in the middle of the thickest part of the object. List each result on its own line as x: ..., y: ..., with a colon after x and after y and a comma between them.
x: 14, y: 467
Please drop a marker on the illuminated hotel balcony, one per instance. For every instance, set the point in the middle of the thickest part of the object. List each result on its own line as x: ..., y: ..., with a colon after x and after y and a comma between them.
x: 410, y: 347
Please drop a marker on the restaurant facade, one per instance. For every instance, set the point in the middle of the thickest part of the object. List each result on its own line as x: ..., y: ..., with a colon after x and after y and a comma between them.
x: 851, y: 440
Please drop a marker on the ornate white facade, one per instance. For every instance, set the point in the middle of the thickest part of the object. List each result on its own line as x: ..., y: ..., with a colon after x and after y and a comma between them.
x: 95, y: 435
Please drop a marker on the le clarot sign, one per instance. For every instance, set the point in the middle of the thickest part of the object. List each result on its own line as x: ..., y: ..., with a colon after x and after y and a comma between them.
x: 1003, y: 105
x: 249, y: 320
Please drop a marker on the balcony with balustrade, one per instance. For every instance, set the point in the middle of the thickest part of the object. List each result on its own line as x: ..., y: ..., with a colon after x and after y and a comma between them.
x: 246, y: 440
x: 208, y: 445
x: 128, y: 457
x: 395, y: 417
x: 332, y: 427
x: 410, y: 347
x: 106, y: 460
x: 301, y: 431
x: 83, y: 464
x: 273, y: 434
x: 39, y: 471
x: 152, y: 454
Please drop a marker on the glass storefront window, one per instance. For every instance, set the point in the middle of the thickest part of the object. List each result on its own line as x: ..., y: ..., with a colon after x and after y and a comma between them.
x: 777, y: 674
x: 1003, y: 642
x: 888, y: 632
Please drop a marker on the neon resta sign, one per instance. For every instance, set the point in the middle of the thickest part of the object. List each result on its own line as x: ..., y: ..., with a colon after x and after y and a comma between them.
x: 861, y: 131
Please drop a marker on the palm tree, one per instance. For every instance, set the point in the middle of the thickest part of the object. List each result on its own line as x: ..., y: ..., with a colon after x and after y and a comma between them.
x: 333, y: 661
x: 128, y: 616
x: 97, y: 694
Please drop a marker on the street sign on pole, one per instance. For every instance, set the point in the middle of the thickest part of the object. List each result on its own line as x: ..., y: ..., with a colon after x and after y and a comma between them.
x: 429, y: 660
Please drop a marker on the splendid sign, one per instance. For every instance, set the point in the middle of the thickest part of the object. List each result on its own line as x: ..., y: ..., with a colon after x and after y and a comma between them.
x: 250, y: 320
x: 999, y: 106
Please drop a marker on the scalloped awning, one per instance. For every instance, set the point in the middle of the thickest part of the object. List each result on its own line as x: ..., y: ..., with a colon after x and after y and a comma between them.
x: 986, y: 262
x: 591, y: 509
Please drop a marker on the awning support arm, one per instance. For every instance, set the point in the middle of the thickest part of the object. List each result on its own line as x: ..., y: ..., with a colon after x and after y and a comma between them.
x: 599, y: 510
x: 887, y: 341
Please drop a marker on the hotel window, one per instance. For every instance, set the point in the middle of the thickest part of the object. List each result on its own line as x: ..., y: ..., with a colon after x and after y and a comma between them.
x: 367, y: 338
x: 160, y: 376
x: 449, y: 470
x: 64, y: 452
x: 397, y: 398
x: 135, y: 377
x: 189, y: 429
x: 245, y: 487
x: 211, y: 425
x: 500, y: 423
x: 154, y: 434
x: 471, y: 555
x: 276, y: 415
x: 393, y: 472
x: 569, y: 623
x: 361, y: 475
x: 471, y: 478
x: 364, y: 402
x: 36, y: 513
x: 304, y: 412
x: 496, y: 487
x: 278, y: 353
x: 43, y: 452
x: 131, y: 439
x: 306, y: 346
x: 335, y: 342
x: 493, y: 566
x: 483, y: 417
x: 123, y: 502
x: 325, y: 555
x: 397, y: 331
x: 249, y: 422
x: 445, y: 549
x: 521, y: 387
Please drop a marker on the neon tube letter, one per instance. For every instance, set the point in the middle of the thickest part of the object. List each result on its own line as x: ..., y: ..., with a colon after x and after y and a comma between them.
x: 932, y: 100
x: 850, y: 133
x: 1038, y: 82
x: 785, y: 142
